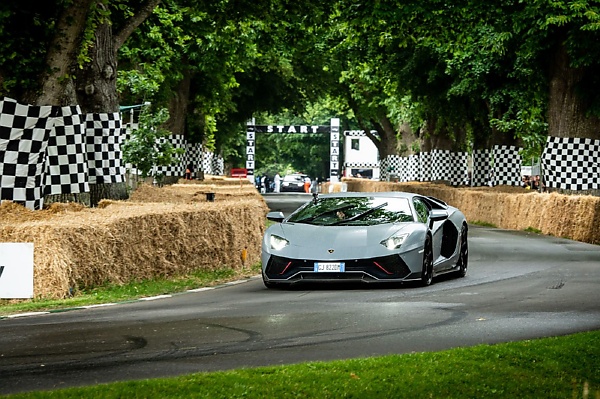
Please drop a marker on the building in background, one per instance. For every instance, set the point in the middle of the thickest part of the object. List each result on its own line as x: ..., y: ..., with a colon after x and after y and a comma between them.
x: 361, y: 157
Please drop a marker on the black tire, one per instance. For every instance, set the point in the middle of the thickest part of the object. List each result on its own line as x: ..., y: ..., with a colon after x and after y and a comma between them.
x: 463, y: 257
x: 427, y: 270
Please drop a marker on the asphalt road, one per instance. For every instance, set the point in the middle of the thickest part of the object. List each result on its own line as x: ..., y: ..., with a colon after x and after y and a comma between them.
x: 519, y: 286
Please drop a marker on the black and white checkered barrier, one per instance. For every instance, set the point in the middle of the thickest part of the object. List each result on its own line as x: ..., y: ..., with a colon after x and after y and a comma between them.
x: 213, y: 164
x: 507, y: 165
x: 103, y: 141
x: 24, y: 134
x: 571, y: 163
x: 176, y: 169
x: 361, y: 165
x: 437, y: 165
x: 425, y: 166
x: 193, y: 155
x: 482, y: 167
x: 66, y: 170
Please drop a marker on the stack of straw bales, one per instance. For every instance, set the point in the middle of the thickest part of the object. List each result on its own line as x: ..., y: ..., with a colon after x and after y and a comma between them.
x: 165, y: 231
x: 570, y: 216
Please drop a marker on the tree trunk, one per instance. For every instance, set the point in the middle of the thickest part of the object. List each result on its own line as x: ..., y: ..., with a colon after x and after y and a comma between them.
x: 97, y: 81
x: 57, y: 86
x: 567, y: 112
x: 81, y: 198
x: 178, y: 106
x: 113, y: 191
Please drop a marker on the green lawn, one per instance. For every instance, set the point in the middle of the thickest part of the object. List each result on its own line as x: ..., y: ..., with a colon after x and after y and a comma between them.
x: 563, y: 367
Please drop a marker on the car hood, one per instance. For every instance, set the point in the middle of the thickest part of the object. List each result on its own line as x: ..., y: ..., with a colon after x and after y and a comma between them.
x: 335, y: 242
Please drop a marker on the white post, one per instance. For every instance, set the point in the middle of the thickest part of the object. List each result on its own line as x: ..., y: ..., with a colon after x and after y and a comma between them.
x: 250, y: 149
x: 334, y: 151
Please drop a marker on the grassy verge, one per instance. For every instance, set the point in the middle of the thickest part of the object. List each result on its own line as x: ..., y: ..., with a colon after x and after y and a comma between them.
x: 130, y: 291
x: 563, y: 367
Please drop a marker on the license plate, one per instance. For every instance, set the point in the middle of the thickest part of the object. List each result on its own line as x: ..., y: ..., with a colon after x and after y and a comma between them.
x: 329, y: 267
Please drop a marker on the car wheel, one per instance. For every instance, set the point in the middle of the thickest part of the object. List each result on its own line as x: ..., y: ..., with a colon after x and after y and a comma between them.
x: 427, y: 270
x: 463, y: 257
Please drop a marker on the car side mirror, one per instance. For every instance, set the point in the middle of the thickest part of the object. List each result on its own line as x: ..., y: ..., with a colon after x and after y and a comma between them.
x: 275, y: 216
x: 437, y: 215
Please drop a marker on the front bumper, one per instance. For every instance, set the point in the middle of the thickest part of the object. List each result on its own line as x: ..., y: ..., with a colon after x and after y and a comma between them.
x: 391, y: 268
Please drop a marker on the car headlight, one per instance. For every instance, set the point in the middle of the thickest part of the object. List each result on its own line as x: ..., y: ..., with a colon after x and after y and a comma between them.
x: 394, y: 241
x: 278, y: 243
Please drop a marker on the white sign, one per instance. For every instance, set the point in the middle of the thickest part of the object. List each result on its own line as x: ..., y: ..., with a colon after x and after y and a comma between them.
x: 16, y: 270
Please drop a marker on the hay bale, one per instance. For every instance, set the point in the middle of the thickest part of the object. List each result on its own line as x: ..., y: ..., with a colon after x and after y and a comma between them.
x: 123, y: 241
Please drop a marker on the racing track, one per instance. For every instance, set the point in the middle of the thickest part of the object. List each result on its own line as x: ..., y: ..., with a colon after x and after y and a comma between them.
x: 519, y: 286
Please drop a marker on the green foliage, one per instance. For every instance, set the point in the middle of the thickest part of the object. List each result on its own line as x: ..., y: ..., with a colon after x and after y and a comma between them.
x: 147, y: 148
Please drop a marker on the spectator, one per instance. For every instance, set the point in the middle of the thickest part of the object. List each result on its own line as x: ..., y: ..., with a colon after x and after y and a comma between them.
x: 307, y: 184
x: 277, y: 179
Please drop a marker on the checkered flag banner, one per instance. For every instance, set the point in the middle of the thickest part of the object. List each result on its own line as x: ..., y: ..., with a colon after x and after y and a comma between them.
x: 425, y: 166
x: 207, y: 162
x: 103, y: 147
x: 193, y: 155
x: 481, y: 167
x: 571, y: 163
x: 507, y: 165
x: 24, y: 133
x: 66, y: 170
x: 178, y: 167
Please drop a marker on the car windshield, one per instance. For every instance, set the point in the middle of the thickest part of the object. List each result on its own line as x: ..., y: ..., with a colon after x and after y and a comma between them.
x: 353, y: 211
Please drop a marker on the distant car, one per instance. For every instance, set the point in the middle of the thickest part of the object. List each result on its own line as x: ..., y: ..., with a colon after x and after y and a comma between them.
x: 365, y: 237
x: 293, y: 183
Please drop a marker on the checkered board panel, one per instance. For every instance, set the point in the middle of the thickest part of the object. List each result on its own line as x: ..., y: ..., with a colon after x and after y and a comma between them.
x: 425, y: 166
x: 481, y: 168
x: 572, y: 163
x: 193, y: 155
x: 207, y: 163
x: 24, y: 133
x: 176, y: 169
x: 103, y: 148
x: 383, y: 173
x: 449, y: 166
x: 507, y: 165
x: 390, y: 166
x: 413, y: 168
x: 441, y: 161
x: 66, y: 170
x: 402, y: 171
x: 218, y: 165
x: 361, y: 165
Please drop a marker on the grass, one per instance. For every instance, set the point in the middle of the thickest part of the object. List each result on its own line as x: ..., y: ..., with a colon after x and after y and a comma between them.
x: 483, y: 224
x: 131, y: 291
x: 560, y: 367
x: 533, y: 230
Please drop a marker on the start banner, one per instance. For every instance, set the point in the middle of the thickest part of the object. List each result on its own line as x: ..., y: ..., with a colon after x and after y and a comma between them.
x: 16, y: 270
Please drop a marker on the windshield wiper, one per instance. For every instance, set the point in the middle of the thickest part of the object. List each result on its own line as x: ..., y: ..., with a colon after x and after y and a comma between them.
x: 360, y: 215
x: 318, y: 215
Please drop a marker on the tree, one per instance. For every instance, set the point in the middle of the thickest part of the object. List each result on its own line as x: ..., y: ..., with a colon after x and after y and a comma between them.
x: 145, y: 150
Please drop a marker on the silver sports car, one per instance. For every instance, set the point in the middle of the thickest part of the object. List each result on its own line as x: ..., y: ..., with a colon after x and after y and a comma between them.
x: 368, y: 237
